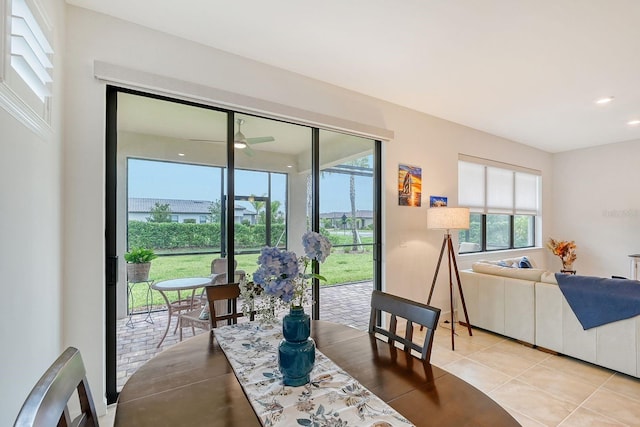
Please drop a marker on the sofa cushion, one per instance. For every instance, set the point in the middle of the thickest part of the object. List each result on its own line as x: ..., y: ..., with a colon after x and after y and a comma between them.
x: 493, y: 267
x: 549, y: 277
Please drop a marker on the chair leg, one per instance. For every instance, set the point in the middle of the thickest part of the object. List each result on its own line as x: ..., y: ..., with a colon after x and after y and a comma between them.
x: 193, y: 331
x: 179, y: 325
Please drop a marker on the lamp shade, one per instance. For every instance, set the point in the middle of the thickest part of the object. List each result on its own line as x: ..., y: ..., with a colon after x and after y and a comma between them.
x: 448, y: 218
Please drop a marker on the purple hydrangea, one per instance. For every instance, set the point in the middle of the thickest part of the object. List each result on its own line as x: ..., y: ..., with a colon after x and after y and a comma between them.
x: 277, y: 273
x: 316, y: 246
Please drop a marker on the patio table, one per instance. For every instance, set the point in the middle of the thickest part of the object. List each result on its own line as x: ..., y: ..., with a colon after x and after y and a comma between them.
x: 185, y: 284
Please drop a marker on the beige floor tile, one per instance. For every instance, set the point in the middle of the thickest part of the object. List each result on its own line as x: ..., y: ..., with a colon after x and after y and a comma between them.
x: 623, y: 384
x: 479, y: 337
x: 562, y: 384
x: 476, y: 374
x: 504, y: 358
x: 614, y: 405
x: 441, y: 356
x: 586, y: 371
x: 521, y: 350
x: 585, y: 418
x: 463, y: 347
x: 533, y: 402
x: 524, y: 420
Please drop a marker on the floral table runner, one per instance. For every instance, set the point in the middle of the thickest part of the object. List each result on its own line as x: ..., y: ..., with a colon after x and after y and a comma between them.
x: 332, y: 398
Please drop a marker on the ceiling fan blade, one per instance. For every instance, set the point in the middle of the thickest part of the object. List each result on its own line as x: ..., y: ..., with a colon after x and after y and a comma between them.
x: 205, y: 140
x: 260, y: 139
x: 248, y: 151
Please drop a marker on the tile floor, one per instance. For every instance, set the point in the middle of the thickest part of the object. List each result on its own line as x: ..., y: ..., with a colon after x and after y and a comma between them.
x: 537, y: 388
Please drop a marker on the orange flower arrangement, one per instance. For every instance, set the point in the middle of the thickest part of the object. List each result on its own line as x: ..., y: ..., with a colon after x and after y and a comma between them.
x: 565, y: 250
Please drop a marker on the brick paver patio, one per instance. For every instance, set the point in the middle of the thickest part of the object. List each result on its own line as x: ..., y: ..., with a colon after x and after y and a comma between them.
x: 347, y: 304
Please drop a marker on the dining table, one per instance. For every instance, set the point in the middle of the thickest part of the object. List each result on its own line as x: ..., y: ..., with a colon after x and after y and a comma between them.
x: 193, y: 384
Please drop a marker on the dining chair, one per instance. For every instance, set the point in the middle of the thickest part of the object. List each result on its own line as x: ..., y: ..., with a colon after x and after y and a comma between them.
x: 222, y: 304
x: 412, y: 312
x: 47, y: 404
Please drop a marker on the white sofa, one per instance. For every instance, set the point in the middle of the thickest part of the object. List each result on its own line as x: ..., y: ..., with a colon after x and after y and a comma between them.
x: 501, y: 299
x: 615, y: 345
x: 527, y: 305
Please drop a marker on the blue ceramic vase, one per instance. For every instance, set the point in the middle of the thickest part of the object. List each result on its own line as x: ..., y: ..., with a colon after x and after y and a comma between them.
x: 297, y: 352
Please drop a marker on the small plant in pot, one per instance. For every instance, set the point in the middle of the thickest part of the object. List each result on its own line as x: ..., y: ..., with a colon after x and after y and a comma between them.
x: 139, y: 264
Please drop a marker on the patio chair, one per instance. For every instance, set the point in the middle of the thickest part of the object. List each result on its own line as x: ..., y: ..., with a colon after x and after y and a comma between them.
x: 222, y: 304
x: 412, y: 312
x: 218, y: 276
x: 46, y: 405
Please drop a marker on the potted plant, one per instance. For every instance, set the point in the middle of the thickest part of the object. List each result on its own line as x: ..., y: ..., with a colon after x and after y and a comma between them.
x: 139, y: 263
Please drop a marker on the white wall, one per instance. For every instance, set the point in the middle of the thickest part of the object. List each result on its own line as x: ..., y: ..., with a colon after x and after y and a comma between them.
x: 410, y: 252
x: 30, y: 245
x: 597, y: 204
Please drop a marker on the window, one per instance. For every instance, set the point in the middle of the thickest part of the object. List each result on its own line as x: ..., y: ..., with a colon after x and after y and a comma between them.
x: 504, y: 201
x: 26, y: 75
x: 30, y: 50
x: 203, y: 219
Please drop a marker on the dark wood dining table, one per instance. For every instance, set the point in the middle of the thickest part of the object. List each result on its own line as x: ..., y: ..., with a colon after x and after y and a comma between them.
x: 193, y: 384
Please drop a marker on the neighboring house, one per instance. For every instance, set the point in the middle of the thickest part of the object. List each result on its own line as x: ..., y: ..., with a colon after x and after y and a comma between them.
x: 339, y: 219
x: 139, y: 209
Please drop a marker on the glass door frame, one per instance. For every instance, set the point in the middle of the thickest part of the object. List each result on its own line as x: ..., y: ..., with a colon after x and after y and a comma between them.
x: 228, y: 214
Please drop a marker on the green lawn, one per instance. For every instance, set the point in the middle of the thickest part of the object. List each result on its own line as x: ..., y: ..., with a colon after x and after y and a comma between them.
x: 340, y: 267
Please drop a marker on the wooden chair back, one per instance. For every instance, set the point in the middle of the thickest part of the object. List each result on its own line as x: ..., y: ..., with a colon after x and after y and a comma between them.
x: 226, y: 292
x: 46, y: 405
x: 412, y: 312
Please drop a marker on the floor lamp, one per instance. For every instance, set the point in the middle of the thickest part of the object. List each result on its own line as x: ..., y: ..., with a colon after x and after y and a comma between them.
x: 445, y: 218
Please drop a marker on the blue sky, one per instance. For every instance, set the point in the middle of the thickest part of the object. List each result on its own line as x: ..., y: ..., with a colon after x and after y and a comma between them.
x: 164, y: 180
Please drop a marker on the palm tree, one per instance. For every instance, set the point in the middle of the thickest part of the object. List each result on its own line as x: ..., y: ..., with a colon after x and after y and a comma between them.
x: 362, y: 162
x: 258, y: 205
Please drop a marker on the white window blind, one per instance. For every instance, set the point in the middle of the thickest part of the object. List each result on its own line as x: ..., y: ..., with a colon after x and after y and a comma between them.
x: 527, y: 191
x: 499, y: 183
x: 493, y: 188
x: 471, y: 186
x: 30, y: 50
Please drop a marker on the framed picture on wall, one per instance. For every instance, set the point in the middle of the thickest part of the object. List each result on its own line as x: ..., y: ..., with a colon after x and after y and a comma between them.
x: 409, y: 185
x: 437, y: 201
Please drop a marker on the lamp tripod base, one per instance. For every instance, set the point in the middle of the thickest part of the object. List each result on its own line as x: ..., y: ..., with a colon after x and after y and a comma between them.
x: 451, y: 258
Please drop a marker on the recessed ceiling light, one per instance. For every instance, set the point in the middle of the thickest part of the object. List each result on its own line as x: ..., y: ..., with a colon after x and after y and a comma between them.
x: 289, y: 166
x: 633, y: 122
x: 181, y: 154
x: 605, y: 100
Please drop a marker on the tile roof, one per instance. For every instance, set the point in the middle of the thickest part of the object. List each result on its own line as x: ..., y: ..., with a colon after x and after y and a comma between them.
x: 145, y: 205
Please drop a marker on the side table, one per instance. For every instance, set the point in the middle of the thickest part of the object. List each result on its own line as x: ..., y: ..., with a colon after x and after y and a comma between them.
x: 131, y: 302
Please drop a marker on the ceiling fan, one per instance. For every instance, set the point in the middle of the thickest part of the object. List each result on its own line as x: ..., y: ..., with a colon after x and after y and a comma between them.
x: 240, y: 141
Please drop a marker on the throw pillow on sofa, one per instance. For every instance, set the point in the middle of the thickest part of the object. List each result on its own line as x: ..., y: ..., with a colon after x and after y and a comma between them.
x: 524, y: 263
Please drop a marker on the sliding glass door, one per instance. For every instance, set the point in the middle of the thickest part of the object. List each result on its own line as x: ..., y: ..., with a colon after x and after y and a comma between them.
x: 195, y: 183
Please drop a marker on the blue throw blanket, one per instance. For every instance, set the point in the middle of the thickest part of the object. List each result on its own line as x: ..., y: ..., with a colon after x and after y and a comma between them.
x: 596, y: 300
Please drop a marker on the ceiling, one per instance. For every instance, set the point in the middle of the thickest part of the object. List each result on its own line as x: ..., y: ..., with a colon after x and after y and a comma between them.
x: 526, y: 70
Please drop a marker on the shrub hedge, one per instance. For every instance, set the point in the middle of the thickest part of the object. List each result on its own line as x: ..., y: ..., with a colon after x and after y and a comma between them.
x: 166, y: 237
x: 180, y: 236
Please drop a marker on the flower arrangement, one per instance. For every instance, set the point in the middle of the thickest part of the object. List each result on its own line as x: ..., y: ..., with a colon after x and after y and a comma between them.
x: 565, y: 250
x: 281, y: 278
